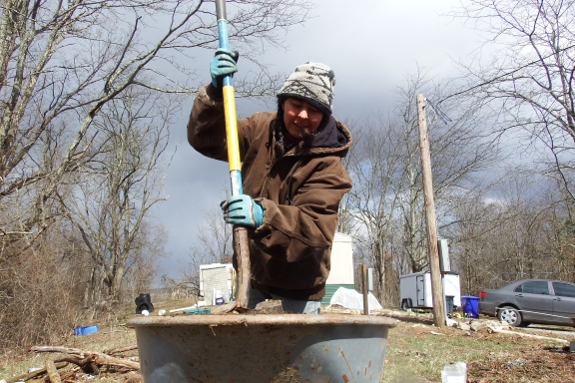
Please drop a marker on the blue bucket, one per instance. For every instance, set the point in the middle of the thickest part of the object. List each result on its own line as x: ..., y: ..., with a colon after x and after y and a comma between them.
x: 86, y: 330
x: 469, y: 305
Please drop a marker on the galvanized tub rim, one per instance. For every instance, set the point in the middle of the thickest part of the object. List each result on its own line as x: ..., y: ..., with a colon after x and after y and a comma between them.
x: 263, y: 319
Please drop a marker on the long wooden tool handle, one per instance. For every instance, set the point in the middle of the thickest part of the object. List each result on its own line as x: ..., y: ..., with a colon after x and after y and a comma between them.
x: 240, y: 238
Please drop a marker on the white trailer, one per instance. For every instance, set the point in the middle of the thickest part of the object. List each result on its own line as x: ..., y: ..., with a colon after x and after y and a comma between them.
x: 415, y: 290
x: 216, y: 281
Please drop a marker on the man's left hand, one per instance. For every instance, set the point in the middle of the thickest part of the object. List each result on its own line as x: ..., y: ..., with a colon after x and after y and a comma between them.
x: 242, y: 210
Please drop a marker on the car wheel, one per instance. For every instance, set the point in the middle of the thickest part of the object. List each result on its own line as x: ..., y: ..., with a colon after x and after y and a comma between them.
x: 405, y: 304
x: 510, y: 315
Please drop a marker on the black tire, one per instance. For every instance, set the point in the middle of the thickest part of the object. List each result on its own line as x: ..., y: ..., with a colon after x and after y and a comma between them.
x: 510, y: 315
x: 406, y: 304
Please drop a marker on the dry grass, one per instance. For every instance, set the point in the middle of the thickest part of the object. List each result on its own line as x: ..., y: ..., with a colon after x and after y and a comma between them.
x: 112, y: 334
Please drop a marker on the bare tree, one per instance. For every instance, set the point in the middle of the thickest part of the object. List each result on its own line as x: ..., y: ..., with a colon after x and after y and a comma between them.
x: 374, y: 165
x: 61, y: 63
x: 529, y: 85
x: 387, y: 196
x: 516, y: 231
x: 460, y: 150
x: 124, y: 181
x: 214, y: 244
x: 142, y: 265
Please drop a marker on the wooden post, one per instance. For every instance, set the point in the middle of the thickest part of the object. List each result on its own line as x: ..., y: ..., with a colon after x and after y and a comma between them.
x: 429, y: 206
x: 365, y: 292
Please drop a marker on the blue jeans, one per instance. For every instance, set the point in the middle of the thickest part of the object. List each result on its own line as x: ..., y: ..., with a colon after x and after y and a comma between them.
x: 292, y: 305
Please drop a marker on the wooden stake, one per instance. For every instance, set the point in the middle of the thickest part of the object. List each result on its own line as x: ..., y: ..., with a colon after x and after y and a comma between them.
x: 365, y: 292
x: 429, y: 207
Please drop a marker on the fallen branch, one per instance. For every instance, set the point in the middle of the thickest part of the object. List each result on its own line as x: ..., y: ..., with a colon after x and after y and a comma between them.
x: 53, y: 375
x: 500, y: 331
x: 33, y: 374
x: 66, y: 350
x: 88, y: 364
x: 100, y: 358
x: 122, y: 349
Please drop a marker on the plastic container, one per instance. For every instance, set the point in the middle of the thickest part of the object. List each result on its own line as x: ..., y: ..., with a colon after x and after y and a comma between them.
x: 454, y: 373
x: 219, y: 298
x: 86, y: 330
x: 198, y: 311
x: 469, y: 305
x: 144, y: 302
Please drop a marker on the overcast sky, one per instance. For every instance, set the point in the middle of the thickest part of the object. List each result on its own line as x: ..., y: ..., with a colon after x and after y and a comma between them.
x: 370, y: 44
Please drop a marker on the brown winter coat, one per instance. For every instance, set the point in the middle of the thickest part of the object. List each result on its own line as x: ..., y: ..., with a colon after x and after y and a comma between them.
x: 299, y: 192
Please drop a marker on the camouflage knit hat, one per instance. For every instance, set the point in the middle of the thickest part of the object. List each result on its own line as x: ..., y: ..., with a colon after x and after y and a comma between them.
x: 312, y: 82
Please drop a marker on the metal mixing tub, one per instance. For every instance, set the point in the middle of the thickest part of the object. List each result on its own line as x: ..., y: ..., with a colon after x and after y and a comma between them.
x: 262, y: 348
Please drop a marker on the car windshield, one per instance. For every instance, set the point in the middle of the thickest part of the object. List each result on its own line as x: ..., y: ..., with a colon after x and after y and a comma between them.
x: 533, y: 287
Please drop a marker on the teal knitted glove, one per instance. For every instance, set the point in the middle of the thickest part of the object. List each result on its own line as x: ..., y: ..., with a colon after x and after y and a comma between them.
x: 223, y: 64
x: 242, y: 210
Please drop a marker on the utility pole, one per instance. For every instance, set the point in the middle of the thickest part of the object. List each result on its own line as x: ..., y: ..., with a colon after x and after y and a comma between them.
x: 429, y: 207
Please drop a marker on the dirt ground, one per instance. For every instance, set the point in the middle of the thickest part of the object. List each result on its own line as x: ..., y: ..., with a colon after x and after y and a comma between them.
x: 416, y: 352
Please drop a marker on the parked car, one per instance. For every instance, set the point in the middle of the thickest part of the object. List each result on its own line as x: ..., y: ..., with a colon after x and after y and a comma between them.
x: 531, y: 301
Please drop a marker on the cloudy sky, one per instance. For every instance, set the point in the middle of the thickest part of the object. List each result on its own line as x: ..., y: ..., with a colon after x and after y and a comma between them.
x: 371, y: 45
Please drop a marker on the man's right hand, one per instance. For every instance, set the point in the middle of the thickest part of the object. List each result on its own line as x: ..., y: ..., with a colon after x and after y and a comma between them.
x: 223, y: 64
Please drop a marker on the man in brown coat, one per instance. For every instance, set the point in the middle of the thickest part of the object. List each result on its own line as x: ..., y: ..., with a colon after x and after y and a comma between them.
x: 293, y: 180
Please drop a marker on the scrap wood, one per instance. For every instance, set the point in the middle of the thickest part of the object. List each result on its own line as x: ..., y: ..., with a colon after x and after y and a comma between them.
x: 33, y: 374
x: 121, y: 349
x: 53, y: 375
x: 100, y: 358
x: 223, y: 309
x: 133, y: 377
x: 66, y: 350
x: 88, y: 364
x: 184, y: 308
x: 117, y: 362
x: 500, y: 331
